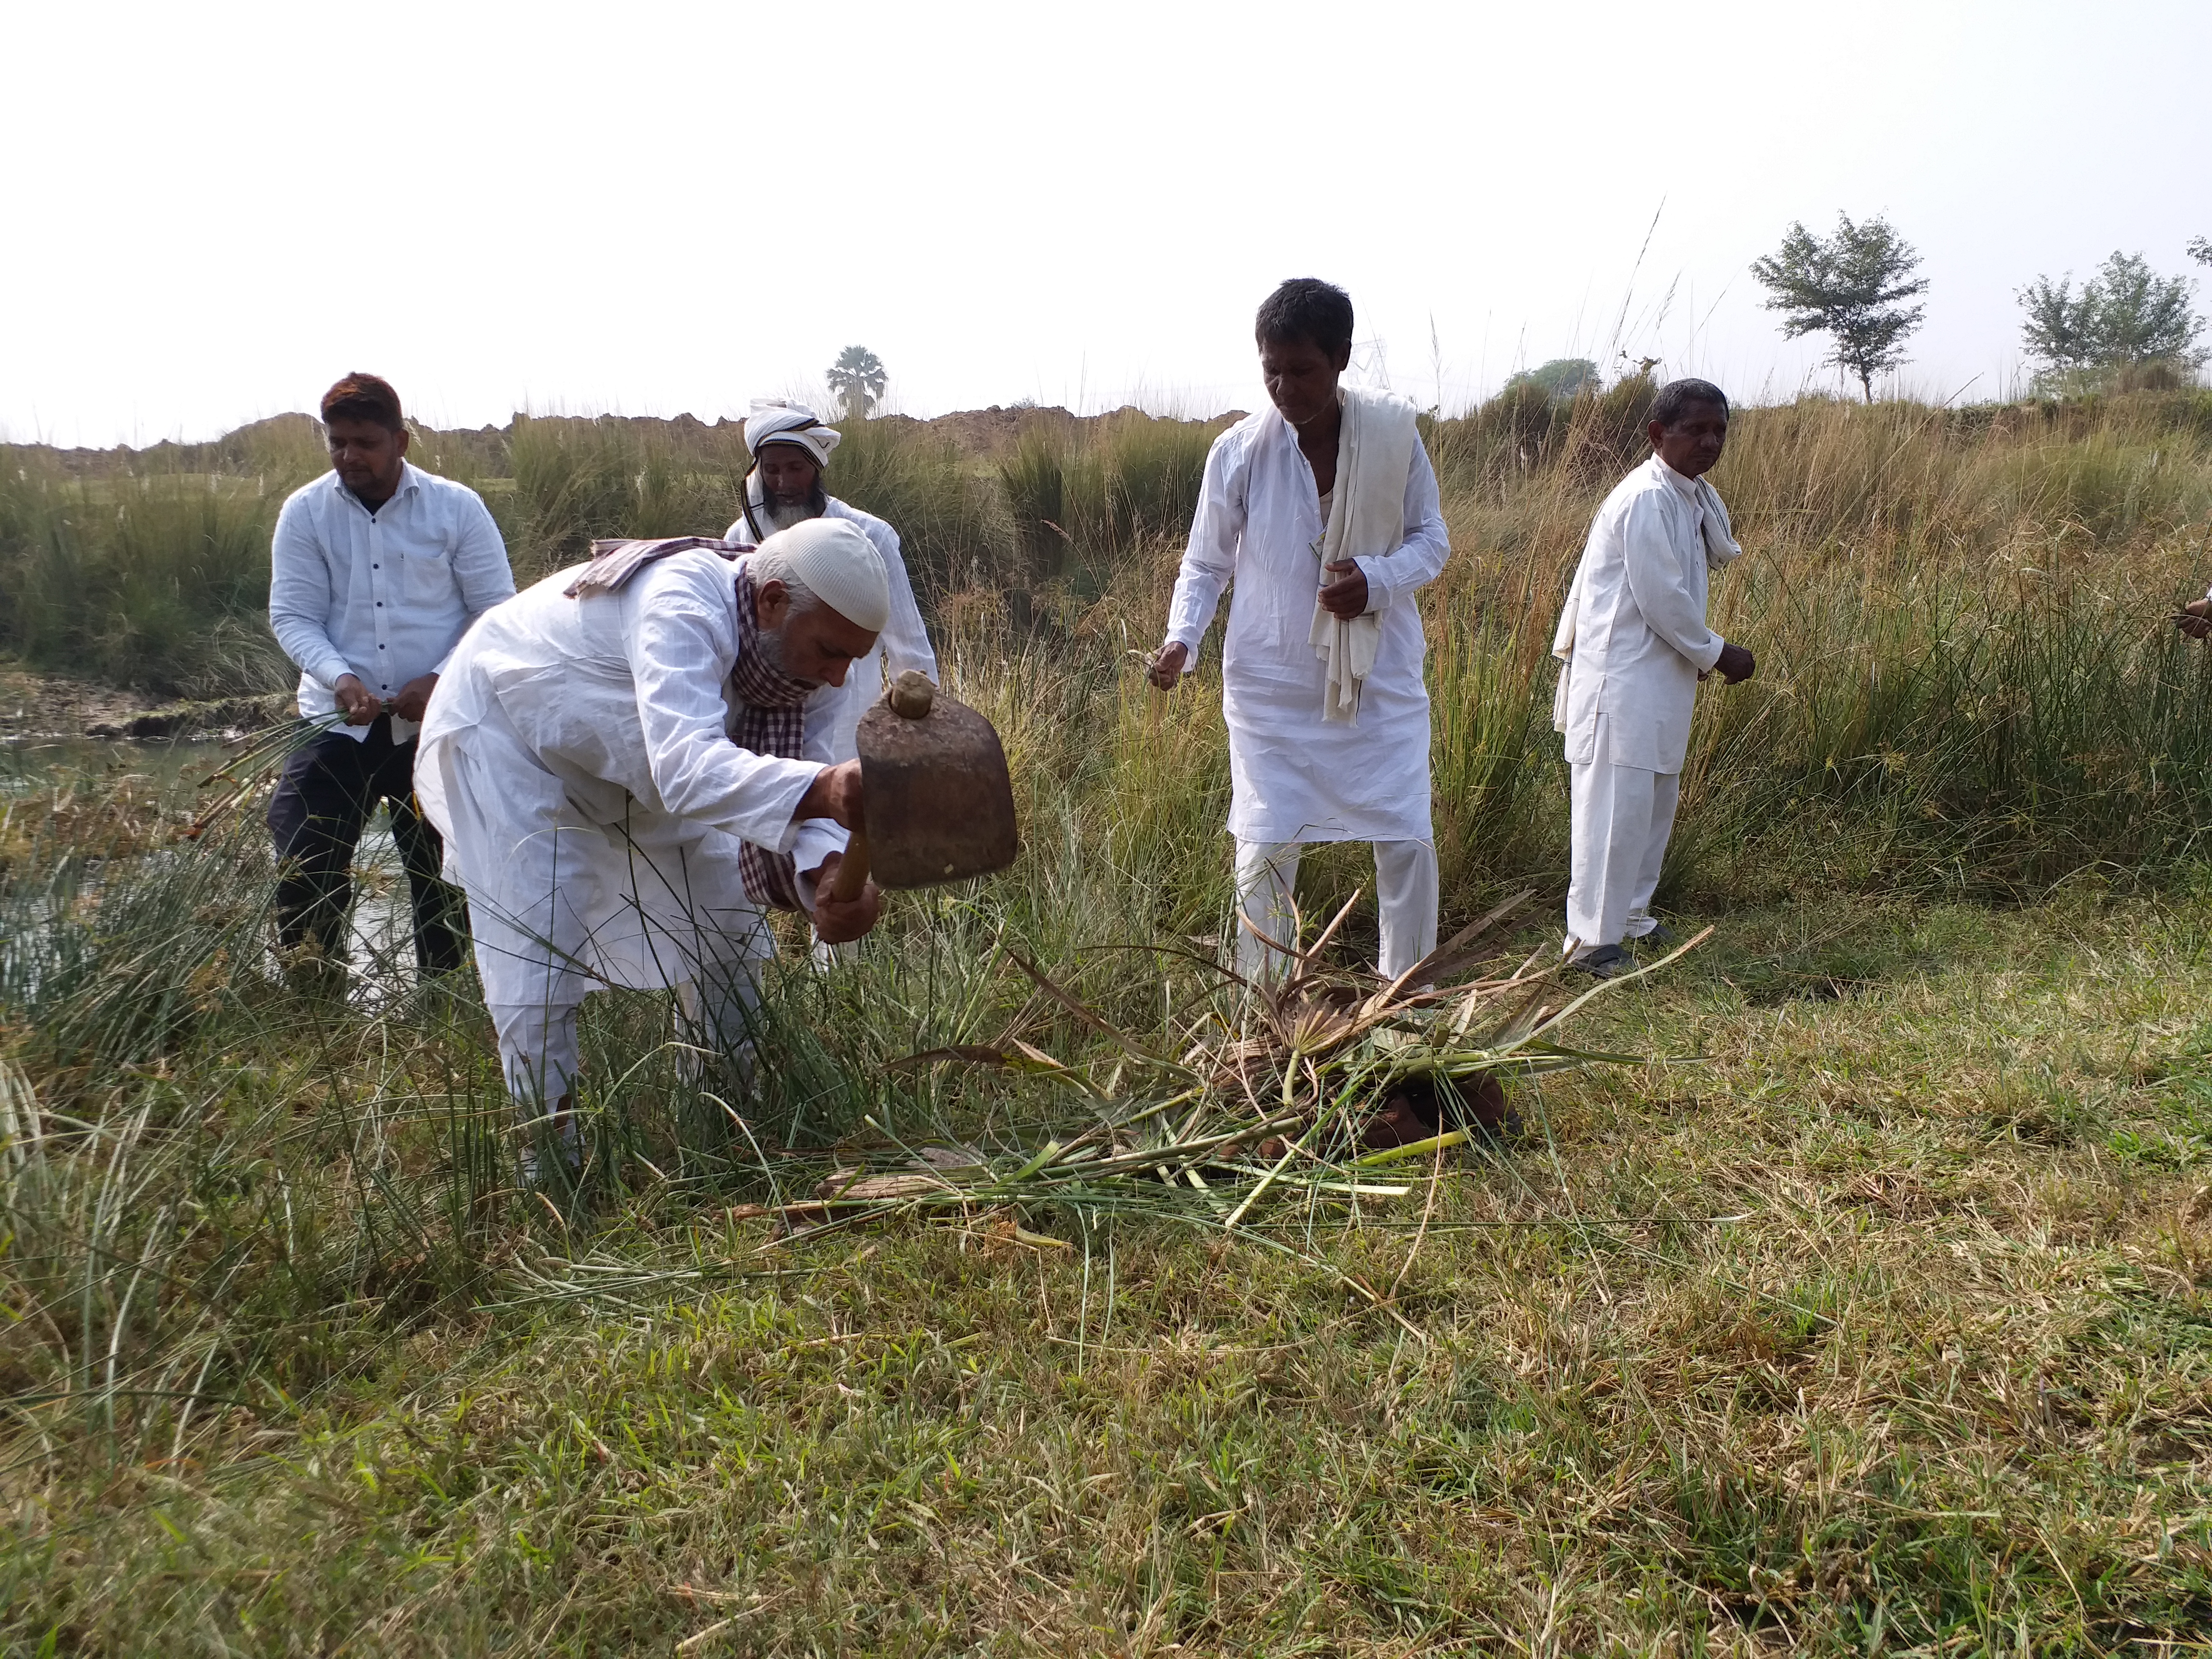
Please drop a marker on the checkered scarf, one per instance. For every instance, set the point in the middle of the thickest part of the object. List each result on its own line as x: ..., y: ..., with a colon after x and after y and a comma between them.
x: 771, y: 719
x: 616, y: 559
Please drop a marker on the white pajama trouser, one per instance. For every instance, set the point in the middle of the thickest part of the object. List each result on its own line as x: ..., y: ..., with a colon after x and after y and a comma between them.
x: 537, y: 1050
x: 1623, y: 816
x: 1407, y: 892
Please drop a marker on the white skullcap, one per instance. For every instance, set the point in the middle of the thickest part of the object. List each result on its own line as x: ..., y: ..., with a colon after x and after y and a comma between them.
x: 774, y: 419
x: 835, y: 557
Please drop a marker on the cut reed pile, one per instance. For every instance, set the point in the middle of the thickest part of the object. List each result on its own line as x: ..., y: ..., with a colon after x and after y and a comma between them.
x: 1275, y: 1093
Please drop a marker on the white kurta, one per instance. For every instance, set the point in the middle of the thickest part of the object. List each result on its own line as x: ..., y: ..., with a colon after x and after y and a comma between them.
x: 902, y: 645
x: 1635, y: 624
x: 1294, y: 776
x: 577, y: 760
x: 1635, y: 639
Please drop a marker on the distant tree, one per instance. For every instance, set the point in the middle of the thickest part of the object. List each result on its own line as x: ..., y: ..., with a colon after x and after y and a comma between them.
x: 1561, y: 379
x: 858, y: 378
x: 2125, y: 315
x: 1851, y: 287
x: 2200, y: 250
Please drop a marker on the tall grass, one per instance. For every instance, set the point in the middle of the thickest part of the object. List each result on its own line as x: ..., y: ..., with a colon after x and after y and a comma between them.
x: 232, y: 1218
x: 1083, y: 496
x: 1967, y: 671
x: 1959, y: 613
x: 146, y: 581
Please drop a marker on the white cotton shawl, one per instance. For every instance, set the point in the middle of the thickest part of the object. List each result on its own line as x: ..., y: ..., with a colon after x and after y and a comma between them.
x: 1722, y: 549
x: 1366, y: 519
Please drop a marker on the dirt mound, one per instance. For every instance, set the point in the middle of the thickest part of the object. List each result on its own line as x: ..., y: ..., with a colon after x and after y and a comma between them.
x: 294, y: 440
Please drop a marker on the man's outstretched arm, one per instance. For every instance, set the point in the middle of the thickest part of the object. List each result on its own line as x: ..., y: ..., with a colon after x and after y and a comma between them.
x: 1209, y: 559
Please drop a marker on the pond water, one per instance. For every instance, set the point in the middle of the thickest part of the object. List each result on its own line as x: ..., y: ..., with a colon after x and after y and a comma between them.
x: 380, y: 948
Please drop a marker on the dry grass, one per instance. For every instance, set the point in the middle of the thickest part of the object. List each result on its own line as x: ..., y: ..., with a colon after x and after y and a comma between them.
x: 1879, y: 1323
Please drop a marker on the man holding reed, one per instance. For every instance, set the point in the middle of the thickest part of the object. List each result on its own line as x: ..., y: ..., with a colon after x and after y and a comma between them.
x: 630, y: 763
x: 376, y: 569
x: 1322, y: 511
x: 1633, y: 644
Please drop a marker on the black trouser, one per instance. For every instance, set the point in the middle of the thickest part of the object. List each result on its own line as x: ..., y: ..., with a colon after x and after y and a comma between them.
x: 323, y: 800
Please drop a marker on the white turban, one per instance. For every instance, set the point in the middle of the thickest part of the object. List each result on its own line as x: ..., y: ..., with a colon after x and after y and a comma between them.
x: 774, y: 419
x: 835, y: 557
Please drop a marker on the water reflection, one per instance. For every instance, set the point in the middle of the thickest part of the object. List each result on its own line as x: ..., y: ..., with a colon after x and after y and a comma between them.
x: 381, y: 944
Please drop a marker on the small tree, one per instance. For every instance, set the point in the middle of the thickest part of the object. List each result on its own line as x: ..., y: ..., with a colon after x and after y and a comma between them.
x: 858, y: 378
x: 1561, y: 379
x: 1851, y: 287
x: 2125, y: 315
x: 2200, y: 250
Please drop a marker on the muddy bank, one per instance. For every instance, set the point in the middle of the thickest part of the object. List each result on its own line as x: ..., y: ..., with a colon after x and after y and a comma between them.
x: 49, y: 706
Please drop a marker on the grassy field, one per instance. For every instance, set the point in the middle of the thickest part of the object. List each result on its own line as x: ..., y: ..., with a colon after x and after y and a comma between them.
x: 1860, y: 1307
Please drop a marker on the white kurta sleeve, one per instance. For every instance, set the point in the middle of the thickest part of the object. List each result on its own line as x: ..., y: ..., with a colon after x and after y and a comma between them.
x: 1209, y: 558
x: 480, y: 565
x: 679, y: 655
x: 1657, y: 584
x: 1419, y: 559
x: 906, y: 640
x: 300, y: 597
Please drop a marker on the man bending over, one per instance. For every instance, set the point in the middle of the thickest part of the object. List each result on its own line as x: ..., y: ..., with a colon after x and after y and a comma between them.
x: 1634, y: 642
x: 1322, y: 511
x: 630, y: 765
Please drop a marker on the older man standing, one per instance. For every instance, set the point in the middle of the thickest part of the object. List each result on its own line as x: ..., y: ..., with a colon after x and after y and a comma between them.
x: 790, y: 446
x: 630, y: 764
x: 1633, y: 641
x: 376, y: 569
x: 1323, y: 510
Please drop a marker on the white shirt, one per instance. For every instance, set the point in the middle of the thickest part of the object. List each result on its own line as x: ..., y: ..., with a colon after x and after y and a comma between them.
x: 386, y: 595
x: 1640, y: 637
x: 580, y: 750
x: 902, y: 645
x: 1294, y: 776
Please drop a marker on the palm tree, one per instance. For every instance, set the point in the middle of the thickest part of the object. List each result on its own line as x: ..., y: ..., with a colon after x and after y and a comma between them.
x: 857, y: 377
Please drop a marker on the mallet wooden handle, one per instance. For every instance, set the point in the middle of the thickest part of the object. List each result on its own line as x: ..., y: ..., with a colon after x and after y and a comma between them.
x: 853, y: 871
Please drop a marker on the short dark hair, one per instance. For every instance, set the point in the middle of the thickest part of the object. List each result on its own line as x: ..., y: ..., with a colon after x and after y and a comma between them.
x: 363, y: 398
x: 1675, y: 397
x: 1306, y: 308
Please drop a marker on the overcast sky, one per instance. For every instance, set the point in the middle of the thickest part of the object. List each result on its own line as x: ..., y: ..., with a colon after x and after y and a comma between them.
x: 657, y: 207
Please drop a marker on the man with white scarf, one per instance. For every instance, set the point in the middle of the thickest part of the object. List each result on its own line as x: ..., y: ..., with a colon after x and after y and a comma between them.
x: 1323, y: 511
x: 790, y: 446
x: 630, y: 764
x: 1633, y: 644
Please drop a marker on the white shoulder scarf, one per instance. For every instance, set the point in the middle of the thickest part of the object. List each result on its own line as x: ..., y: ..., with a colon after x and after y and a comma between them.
x: 1366, y: 519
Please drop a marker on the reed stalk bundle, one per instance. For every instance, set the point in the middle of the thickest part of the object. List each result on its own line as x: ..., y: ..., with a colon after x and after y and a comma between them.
x: 1271, y: 1099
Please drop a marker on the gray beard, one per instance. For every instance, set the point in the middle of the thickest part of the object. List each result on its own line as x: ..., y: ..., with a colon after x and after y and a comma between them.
x: 782, y: 518
x: 770, y: 645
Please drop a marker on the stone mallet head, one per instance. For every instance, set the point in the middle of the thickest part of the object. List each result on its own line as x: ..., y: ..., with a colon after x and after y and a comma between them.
x: 936, y: 803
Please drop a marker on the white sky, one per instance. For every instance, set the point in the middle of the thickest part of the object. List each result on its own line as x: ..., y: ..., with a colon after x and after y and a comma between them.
x: 213, y: 210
